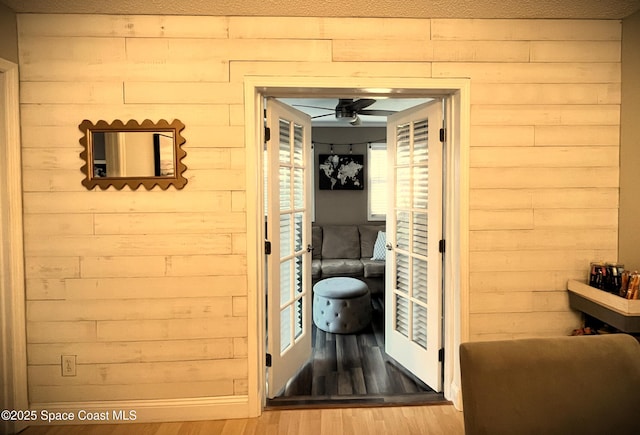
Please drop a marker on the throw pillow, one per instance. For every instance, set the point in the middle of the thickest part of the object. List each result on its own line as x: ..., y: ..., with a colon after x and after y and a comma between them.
x: 380, y: 248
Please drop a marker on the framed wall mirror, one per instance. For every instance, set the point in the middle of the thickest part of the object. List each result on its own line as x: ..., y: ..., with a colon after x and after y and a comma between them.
x: 133, y: 154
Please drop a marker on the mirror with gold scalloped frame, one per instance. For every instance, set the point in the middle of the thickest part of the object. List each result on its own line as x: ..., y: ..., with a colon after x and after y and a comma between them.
x: 133, y: 154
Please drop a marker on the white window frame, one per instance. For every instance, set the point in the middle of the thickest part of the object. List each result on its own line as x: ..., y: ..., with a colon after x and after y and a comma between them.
x: 381, y: 180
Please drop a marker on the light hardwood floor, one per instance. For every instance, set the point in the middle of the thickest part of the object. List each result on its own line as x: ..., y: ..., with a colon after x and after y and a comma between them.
x: 425, y: 419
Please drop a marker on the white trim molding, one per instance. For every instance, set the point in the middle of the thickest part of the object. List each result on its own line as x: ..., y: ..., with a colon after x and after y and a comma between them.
x: 12, y: 289
x: 456, y: 298
x: 456, y: 273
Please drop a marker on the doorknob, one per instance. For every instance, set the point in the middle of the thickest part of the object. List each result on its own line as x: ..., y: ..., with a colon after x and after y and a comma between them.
x: 309, y: 248
x: 389, y: 246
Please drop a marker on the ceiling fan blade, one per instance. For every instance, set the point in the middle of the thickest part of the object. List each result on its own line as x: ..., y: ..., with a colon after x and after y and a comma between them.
x: 376, y: 112
x: 313, y: 107
x: 322, y: 116
x: 360, y: 104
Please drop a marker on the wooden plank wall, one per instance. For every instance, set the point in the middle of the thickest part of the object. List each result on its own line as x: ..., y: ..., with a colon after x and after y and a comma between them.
x: 149, y: 289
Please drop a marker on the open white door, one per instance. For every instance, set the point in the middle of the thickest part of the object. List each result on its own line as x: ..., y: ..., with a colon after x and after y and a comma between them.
x: 289, y: 234
x: 413, y: 294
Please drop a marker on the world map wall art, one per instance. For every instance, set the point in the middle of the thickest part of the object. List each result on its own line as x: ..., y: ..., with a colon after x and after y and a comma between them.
x: 341, y: 171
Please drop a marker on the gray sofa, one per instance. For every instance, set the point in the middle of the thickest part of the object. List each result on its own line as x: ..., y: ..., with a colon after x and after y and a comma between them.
x: 347, y: 250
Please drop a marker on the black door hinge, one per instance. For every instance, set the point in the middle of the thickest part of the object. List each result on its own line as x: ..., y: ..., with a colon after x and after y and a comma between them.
x: 267, y: 134
x: 443, y: 135
x: 268, y: 360
x: 267, y: 247
x: 441, y: 246
x: 441, y: 355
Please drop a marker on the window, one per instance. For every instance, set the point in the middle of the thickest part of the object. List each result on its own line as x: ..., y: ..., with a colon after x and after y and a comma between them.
x: 377, y: 181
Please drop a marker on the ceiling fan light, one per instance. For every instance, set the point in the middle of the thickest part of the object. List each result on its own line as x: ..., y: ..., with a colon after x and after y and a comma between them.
x: 345, y: 113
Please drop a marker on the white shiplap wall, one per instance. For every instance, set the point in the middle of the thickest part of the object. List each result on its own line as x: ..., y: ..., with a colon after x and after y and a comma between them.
x: 149, y: 289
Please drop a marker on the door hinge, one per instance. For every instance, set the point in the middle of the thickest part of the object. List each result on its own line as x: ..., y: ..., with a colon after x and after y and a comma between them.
x: 443, y: 135
x: 268, y: 360
x: 441, y: 246
x: 267, y: 247
x: 441, y: 354
x: 267, y: 134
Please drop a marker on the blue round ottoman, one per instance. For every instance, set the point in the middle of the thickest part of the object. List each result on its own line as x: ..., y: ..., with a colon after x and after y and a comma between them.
x: 341, y: 305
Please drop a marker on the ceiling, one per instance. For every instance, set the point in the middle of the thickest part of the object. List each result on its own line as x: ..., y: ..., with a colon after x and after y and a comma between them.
x: 393, y: 104
x: 578, y: 9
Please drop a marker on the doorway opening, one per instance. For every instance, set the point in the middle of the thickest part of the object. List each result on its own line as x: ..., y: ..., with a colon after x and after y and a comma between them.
x: 455, y: 93
x: 349, y: 367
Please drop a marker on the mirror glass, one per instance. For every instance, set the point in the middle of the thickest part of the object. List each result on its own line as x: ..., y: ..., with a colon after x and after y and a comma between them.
x: 132, y: 154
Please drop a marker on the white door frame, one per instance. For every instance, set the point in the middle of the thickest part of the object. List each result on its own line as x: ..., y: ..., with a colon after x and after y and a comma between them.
x: 12, y: 290
x: 456, y: 273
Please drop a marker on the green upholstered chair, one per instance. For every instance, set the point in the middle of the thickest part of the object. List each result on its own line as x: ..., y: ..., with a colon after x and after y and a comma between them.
x: 543, y: 386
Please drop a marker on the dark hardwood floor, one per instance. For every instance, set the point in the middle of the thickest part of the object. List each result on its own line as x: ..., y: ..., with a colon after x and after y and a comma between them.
x: 354, y: 369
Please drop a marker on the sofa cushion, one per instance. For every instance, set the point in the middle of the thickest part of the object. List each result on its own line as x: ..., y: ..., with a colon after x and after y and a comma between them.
x: 373, y: 268
x: 368, y: 234
x: 316, y: 241
x: 316, y: 268
x: 342, y: 267
x: 340, y: 241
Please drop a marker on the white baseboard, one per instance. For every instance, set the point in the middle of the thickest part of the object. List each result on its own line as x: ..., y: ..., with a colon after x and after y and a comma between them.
x: 141, y: 411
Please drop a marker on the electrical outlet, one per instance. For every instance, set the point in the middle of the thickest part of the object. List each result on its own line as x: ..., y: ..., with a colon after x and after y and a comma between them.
x: 68, y: 365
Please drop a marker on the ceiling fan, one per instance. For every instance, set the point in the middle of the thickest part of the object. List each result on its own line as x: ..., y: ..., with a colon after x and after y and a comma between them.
x: 348, y: 109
